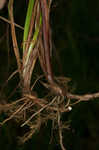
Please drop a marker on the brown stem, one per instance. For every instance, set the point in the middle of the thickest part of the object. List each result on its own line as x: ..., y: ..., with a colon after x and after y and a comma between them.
x: 46, y: 39
x: 15, y: 44
x: 85, y: 97
x: 41, y: 54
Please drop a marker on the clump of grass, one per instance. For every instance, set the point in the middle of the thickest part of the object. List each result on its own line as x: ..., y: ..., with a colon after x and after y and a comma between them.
x: 30, y: 109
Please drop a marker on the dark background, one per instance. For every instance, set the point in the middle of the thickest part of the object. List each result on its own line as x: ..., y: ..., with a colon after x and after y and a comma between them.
x: 75, y: 36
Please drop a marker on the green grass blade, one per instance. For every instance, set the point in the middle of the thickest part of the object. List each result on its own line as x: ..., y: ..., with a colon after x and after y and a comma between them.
x: 34, y: 39
x: 27, y: 21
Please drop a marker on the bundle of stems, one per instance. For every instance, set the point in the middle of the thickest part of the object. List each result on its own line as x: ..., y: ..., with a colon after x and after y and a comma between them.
x: 37, y: 44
